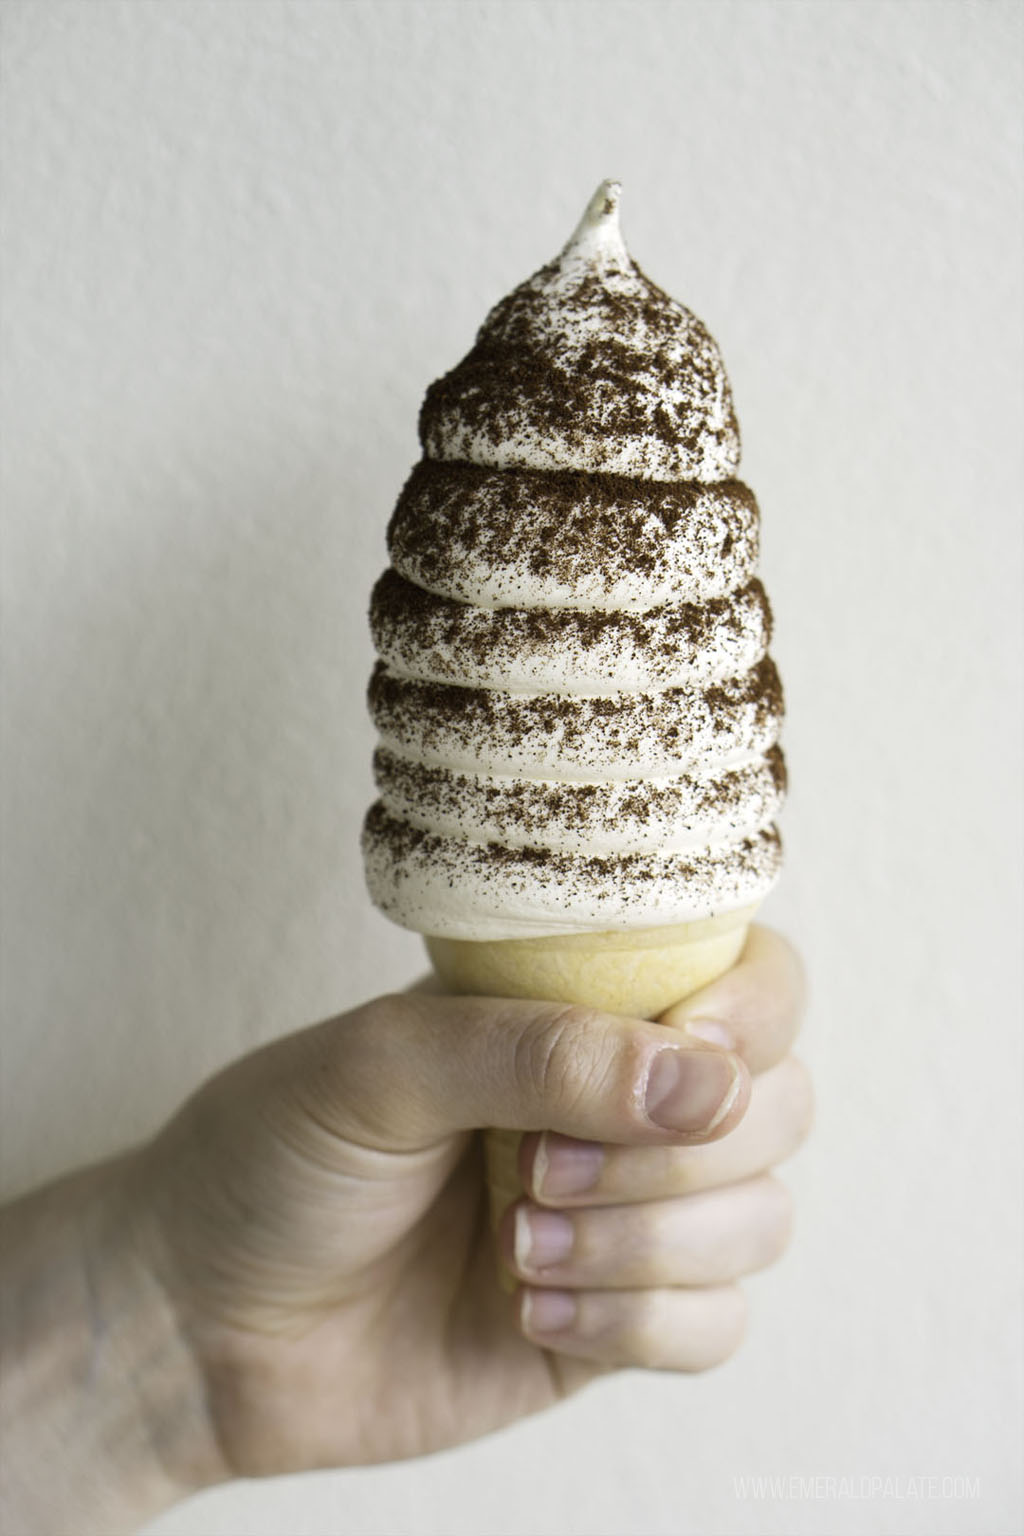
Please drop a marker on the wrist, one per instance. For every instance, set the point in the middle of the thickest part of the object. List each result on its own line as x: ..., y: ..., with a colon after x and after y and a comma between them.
x: 104, y: 1415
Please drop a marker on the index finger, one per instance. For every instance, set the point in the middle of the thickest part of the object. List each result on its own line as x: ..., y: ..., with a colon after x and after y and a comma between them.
x: 754, y: 1009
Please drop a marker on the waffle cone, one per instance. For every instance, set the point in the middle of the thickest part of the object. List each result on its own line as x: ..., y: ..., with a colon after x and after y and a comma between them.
x: 639, y: 974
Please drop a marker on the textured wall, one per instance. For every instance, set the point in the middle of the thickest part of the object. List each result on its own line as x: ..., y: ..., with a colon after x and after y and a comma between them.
x: 240, y: 239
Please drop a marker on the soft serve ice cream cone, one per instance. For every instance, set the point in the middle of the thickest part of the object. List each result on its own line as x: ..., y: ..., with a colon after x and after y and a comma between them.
x: 578, y: 764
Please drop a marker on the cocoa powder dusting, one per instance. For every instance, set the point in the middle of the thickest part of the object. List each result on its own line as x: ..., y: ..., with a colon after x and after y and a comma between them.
x: 426, y: 635
x: 573, y: 576
x: 467, y: 724
x: 567, y: 525
x: 571, y: 359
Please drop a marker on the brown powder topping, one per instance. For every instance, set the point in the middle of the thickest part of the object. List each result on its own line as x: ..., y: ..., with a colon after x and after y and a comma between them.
x: 422, y: 635
x: 457, y: 525
x: 505, y: 880
x: 641, y: 812
x: 591, y: 369
x: 582, y: 734
x: 578, y: 717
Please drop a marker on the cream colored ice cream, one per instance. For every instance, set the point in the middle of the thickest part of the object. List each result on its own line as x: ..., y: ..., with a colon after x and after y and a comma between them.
x: 577, y: 713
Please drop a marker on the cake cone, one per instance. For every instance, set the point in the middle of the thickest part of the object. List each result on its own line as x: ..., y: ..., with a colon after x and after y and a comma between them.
x: 639, y: 974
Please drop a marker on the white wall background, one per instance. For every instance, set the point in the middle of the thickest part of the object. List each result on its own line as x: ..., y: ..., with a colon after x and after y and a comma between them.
x: 240, y: 239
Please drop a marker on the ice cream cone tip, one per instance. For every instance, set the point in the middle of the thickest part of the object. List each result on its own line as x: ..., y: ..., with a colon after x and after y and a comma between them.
x: 598, y: 229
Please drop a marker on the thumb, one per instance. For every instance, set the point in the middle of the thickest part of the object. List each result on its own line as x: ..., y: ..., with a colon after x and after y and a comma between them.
x: 405, y: 1071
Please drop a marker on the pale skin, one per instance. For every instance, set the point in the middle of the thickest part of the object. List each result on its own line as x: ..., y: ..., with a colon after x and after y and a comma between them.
x: 298, y: 1270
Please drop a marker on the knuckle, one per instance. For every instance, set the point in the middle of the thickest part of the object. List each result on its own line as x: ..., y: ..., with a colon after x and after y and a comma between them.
x: 367, y: 1031
x: 780, y: 968
x: 650, y: 1337
x: 801, y: 1099
x: 676, y: 1171
x: 671, y: 1329
x: 551, y: 1057
x: 731, y: 1326
x: 692, y: 1331
x: 655, y: 1239
x: 340, y: 1084
x: 795, y: 973
x: 780, y: 1228
x: 645, y: 1334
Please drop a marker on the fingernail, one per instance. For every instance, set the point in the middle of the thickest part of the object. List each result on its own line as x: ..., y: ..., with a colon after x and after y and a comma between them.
x: 562, y: 1166
x: 712, y: 1031
x: 548, y: 1311
x: 542, y: 1238
x: 691, y: 1090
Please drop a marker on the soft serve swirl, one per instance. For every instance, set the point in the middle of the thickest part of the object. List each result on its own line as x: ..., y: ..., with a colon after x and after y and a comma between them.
x: 578, y: 717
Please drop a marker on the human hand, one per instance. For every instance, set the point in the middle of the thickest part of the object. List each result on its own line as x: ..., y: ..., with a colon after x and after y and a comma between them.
x: 631, y: 1252
x: 317, y: 1213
